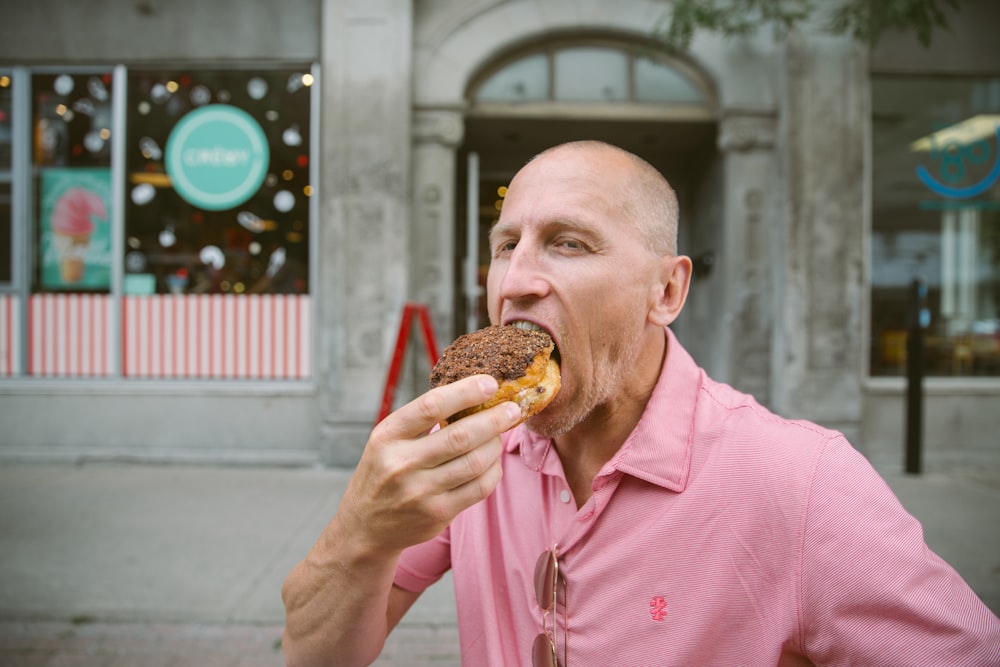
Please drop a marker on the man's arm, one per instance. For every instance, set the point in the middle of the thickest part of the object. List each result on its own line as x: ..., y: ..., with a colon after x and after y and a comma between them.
x: 873, y: 593
x: 340, y: 613
x: 340, y: 602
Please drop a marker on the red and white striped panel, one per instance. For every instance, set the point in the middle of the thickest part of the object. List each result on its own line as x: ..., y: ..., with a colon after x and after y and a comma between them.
x: 10, y: 335
x: 68, y: 335
x: 217, y: 336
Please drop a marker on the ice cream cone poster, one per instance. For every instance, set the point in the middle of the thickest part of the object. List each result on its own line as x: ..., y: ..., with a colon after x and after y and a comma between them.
x: 75, y: 228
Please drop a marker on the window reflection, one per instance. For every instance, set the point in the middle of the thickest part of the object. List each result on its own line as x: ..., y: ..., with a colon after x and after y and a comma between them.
x: 936, y: 217
x: 589, y: 74
x: 71, y: 151
x: 526, y: 80
x: 6, y: 233
x: 656, y: 83
x: 72, y: 119
x: 6, y: 121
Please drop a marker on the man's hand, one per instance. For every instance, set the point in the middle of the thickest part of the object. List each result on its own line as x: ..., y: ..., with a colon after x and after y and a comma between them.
x: 409, y: 485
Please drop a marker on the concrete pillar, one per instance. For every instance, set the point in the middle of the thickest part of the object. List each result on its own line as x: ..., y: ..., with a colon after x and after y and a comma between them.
x: 746, y: 141
x: 437, y: 135
x: 819, y: 339
x: 364, y: 225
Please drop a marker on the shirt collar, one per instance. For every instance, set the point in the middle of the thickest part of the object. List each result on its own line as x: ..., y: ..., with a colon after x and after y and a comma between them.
x: 659, y: 448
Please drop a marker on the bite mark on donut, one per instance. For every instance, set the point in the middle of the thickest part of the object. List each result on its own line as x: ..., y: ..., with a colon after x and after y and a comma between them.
x: 523, y: 361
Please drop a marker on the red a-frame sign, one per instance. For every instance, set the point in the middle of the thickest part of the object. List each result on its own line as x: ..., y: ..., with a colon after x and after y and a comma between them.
x: 392, y: 380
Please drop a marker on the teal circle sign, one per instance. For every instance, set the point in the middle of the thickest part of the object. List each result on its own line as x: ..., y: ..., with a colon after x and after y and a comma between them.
x: 217, y: 157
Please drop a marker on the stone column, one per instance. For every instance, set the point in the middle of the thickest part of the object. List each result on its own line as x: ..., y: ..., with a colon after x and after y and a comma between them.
x: 746, y: 141
x: 437, y: 135
x: 364, y: 223
x: 820, y: 334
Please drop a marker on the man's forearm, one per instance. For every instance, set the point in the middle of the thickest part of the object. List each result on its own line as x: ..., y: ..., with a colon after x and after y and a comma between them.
x: 411, y: 481
x: 336, y: 605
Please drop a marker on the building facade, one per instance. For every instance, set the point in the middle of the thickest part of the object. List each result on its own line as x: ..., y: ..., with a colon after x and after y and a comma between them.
x: 215, y: 214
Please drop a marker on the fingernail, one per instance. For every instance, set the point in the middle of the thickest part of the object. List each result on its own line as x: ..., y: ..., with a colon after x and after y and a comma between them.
x: 513, y: 411
x: 489, y: 385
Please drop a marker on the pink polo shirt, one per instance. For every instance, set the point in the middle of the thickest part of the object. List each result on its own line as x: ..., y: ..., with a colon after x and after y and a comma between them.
x: 719, y: 534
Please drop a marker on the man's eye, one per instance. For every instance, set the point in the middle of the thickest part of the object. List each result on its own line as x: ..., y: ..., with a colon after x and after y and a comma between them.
x: 504, y: 247
x: 571, y: 244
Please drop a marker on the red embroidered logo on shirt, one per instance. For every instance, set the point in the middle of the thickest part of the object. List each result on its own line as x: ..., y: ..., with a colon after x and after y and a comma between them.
x: 658, y: 607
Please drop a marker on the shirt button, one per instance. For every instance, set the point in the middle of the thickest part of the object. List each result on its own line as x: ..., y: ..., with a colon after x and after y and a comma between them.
x: 564, y: 496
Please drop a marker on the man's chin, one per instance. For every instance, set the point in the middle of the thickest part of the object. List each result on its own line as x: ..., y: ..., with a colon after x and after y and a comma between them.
x: 549, y: 423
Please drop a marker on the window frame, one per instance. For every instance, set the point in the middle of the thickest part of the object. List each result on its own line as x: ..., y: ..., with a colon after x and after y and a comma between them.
x: 630, y: 108
x: 21, y: 289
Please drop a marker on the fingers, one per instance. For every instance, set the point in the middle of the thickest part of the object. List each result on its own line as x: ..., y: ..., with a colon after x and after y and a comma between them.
x: 463, y: 437
x: 435, y: 406
x: 411, y: 483
x: 478, y: 487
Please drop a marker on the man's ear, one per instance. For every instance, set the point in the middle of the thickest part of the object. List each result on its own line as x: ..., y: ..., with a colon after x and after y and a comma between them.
x: 671, y: 290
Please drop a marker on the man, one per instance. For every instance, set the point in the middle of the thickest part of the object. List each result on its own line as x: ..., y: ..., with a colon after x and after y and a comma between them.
x: 647, y: 516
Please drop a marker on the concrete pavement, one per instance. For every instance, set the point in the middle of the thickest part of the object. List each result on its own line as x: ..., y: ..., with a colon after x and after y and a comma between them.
x: 118, y: 565
x: 141, y: 565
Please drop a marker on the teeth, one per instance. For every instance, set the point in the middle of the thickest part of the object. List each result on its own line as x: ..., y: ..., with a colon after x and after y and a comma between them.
x: 529, y: 326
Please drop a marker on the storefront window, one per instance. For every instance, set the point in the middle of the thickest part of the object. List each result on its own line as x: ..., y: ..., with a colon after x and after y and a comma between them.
x: 164, y: 216
x: 217, y: 197
x: 6, y: 178
x: 936, y: 220
x: 71, y: 121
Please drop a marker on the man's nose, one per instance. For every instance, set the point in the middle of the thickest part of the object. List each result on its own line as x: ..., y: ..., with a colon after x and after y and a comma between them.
x: 523, y: 275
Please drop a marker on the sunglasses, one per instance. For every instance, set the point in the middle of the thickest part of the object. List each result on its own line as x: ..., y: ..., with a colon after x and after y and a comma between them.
x: 544, y: 652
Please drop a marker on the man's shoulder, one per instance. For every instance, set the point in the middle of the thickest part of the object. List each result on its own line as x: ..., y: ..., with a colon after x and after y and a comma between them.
x: 734, y: 435
x: 741, y: 413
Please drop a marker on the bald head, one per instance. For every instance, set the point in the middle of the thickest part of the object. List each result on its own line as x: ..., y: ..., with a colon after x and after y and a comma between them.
x: 647, y: 200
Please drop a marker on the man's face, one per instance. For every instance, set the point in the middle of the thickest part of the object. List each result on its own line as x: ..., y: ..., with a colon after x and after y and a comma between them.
x: 565, y: 259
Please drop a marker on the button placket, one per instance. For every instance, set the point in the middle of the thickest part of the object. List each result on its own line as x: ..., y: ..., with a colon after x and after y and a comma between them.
x: 604, y: 486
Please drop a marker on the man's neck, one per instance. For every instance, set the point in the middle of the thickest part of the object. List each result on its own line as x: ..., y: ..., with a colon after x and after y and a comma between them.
x: 586, y: 449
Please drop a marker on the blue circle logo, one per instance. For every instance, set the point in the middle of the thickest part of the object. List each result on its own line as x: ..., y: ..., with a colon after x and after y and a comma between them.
x: 955, y: 155
x: 217, y: 157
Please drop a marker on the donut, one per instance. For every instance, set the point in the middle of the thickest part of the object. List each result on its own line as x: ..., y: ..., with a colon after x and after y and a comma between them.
x: 521, y: 360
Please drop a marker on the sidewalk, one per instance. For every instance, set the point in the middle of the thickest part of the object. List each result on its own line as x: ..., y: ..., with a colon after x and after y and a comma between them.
x: 109, y: 565
x: 115, y: 565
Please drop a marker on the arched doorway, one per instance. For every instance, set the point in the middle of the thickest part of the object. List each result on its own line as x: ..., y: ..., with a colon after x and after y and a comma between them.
x: 608, y: 87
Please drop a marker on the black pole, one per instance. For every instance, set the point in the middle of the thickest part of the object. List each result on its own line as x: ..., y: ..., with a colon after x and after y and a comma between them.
x: 915, y: 378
